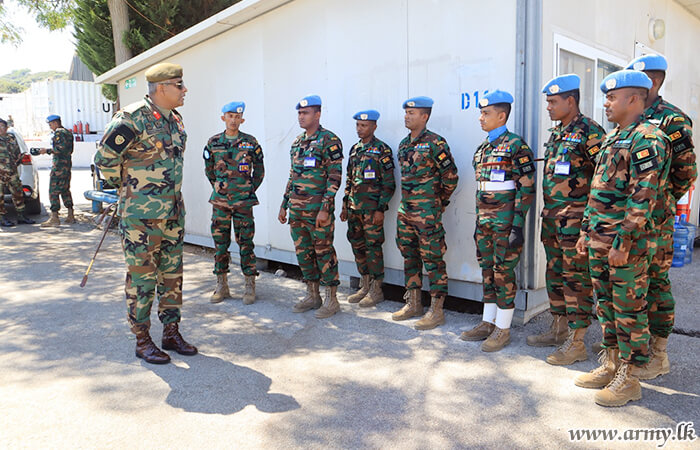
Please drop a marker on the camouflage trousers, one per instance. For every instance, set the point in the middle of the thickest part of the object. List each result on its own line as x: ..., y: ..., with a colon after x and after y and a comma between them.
x: 621, y: 293
x: 568, y: 280
x: 59, y: 186
x: 420, y: 237
x: 244, y: 230
x: 497, y: 262
x: 14, y: 185
x: 659, y: 298
x: 314, y: 247
x: 153, y: 255
x: 366, y: 240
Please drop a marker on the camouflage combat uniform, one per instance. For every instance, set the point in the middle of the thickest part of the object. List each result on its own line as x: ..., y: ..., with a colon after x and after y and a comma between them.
x: 369, y: 187
x: 142, y: 152
x: 62, y: 149
x: 508, y: 160
x: 234, y: 167
x: 10, y: 156
x: 679, y: 128
x: 624, y: 190
x: 570, y: 158
x: 428, y: 179
x: 314, y: 178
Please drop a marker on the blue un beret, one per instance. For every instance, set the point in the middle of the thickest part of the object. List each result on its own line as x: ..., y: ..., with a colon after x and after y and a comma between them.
x: 495, y: 97
x: 369, y: 114
x: 561, y: 84
x: 648, y: 62
x: 625, y: 78
x: 234, y: 107
x: 418, y: 102
x: 53, y: 117
x: 309, y: 100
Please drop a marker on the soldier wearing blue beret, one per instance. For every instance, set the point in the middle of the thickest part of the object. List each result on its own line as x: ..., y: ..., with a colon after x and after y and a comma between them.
x: 679, y: 128
x: 428, y: 179
x: 314, y: 178
x: 618, y: 224
x: 233, y: 164
x: 570, y: 157
x: 505, y: 176
x: 368, y: 189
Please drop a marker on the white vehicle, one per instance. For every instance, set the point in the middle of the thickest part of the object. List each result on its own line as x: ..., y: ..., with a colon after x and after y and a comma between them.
x: 28, y: 176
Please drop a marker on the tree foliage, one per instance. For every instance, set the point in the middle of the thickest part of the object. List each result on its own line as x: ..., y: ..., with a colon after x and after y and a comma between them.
x: 51, y: 14
x: 20, y: 80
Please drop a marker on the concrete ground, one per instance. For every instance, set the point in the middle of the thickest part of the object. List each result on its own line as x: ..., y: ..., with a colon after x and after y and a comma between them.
x: 268, y: 378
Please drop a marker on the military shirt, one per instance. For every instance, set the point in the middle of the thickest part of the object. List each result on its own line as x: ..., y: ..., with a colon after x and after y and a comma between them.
x: 626, y: 184
x: 61, y: 145
x: 428, y: 173
x: 679, y: 128
x: 10, y: 154
x: 142, y: 152
x: 235, y: 170
x: 507, y: 158
x: 315, y: 173
x: 570, y: 157
x: 369, y: 183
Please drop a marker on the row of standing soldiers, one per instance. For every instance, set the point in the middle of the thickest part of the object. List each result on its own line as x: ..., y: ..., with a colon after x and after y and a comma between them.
x: 145, y: 142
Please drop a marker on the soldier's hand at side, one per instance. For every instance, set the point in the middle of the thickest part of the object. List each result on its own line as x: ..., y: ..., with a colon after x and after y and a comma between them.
x: 322, y: 219
x: 378, y: 218
x: 42, y: 151
x: 581, y: 245
x: 617, y: 257
x: 516, y: 237
x: 282, y: 217
x: 344, y: 214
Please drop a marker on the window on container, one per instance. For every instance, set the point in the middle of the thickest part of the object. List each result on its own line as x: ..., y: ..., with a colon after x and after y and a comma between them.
x: 583, y: 67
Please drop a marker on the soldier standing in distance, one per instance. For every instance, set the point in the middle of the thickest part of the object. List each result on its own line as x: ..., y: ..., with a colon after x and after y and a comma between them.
x: 679, y: 128
x: 62, y: 149
x: 428, y: 179
x: 617, y: 232
x: 142, y: 154
x: 233, y: 163
x: 570, y: 158
x: 505, y: 176
x: 369, y: 187
x: 10, y: 157
x: 314, y: 178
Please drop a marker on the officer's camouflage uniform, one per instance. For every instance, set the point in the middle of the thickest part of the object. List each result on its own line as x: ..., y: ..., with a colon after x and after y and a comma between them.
x: 62, y: 149
x: 235, y: 170
x: 679, y: 128
x: 624, y: 191
x: 142, y: 152
x: 570, y: 158
x: 10, y: 155
x: 498, y: 211
x: 369, y: 187
x: 428, y: 179
x: 314, y: 178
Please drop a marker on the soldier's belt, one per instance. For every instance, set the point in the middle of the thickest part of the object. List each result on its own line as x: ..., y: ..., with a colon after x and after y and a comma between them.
x: 497, y: 185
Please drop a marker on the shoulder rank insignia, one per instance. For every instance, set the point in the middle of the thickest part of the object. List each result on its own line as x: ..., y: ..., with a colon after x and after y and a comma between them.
x: 679, y: 119
x: 650, y: 136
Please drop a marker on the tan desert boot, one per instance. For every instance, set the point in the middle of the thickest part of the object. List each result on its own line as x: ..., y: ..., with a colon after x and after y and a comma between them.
x: 658, y: 360
x: 221, y: 291
x: 435, y: 315
x: 600, y: 377
x: 622, y: 389
x: 330, y: 305
x: 70, y: 218
x: 53, y: 221
x: 249, y: 294
x: 375, y: 294
x: 412, y: 308
x: 498, y: 339
x: 554, y: 337
x: 479, y: 332
x: 572, y: 350
x: 364, y: 289
x: 312, y: 299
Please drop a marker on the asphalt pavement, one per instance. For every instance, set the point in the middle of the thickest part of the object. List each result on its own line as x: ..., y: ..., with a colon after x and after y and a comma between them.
x: 268, y: 378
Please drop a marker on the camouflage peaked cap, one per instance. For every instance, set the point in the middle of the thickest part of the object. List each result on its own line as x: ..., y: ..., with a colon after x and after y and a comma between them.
x: 163, y: 72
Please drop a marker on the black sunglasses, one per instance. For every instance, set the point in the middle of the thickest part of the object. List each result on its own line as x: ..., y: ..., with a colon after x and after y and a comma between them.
x: 180, y: 84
